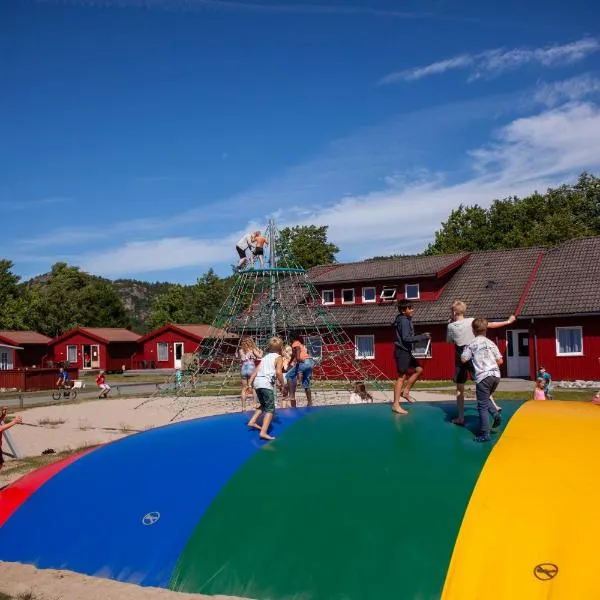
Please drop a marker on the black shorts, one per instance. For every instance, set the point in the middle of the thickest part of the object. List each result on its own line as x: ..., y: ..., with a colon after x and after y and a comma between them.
x: 462, y: 371
x: 241, y: 253
x: 405, y: 362
x: 258, y: 251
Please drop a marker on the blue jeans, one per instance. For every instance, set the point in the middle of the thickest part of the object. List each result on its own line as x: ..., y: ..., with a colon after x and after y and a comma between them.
x: 306, y: 368
x: 483, y: 390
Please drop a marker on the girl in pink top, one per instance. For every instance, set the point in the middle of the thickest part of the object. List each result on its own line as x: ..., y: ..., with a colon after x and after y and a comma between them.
x: 540, y: 389
x: 248, y: 353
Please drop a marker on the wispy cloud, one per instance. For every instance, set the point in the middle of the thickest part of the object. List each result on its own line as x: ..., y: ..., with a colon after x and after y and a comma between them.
x: 575, y: 88
x: 250, y: 7
x: 499, y: 60
x: 530, y: 152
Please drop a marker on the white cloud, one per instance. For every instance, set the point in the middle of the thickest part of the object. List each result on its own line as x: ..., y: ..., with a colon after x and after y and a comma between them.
x: 575, y: 88
x: 529, y: 153
x: 499, y: 60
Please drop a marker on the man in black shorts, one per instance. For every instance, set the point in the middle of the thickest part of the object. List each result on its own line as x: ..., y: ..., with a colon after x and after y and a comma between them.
x: 409, y: 369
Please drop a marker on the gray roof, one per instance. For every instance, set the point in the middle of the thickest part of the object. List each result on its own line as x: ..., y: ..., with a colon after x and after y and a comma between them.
x: 567, y: 281
x: 405, y: 267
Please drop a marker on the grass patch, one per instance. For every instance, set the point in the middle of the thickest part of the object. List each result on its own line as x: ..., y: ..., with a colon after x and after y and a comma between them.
x: 125, y: 378
x: 48, y: 422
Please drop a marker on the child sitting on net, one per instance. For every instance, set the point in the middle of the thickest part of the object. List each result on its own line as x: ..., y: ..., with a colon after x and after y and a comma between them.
x: 360, y: 394
x: 539, y: 392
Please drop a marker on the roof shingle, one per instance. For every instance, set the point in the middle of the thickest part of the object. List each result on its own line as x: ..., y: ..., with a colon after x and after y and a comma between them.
x: 112, y: 334
x: 405, y: 267
x: 19, y: 338
x: 567, y: 281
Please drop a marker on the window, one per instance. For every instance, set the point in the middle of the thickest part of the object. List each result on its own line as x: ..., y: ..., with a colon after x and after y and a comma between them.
x: 348, y: 296
x: 569, y: 341
x: 364, y: 346
x: 368, y: 294
x: 328, y: 296
x: 388, y: 294
x: 314, y: 345
x: 411, y: 291
x: 422, y: 349
x: 72, y: 354
x: 162, y: 352
x: 4, y: 361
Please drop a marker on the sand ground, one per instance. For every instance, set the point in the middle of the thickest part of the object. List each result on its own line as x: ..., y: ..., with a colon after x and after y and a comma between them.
x: 73, y: 426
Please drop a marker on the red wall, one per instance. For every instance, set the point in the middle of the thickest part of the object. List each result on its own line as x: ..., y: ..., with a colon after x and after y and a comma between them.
x: 59, y: 353
x: 32, y: 354
x: 149, y: 350
x: 429, y: 289
x: 568, y: 367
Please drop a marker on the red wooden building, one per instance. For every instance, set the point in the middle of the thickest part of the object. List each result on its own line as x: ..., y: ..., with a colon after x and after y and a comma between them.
x: 165, y: 348
x: 562, y: 331
x: 20, y: 349
x: 93, y: 348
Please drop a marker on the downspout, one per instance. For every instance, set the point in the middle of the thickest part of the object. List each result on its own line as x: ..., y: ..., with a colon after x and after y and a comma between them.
x: 535, y: 349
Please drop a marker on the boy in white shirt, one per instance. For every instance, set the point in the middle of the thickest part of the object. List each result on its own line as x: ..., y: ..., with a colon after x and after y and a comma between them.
x: 244, y: 244
x: 263, y: 380
x: 486, y: 360
x: 460, y: 333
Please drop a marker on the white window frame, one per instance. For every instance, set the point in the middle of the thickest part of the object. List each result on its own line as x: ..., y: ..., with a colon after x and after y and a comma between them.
x: 558, y: 352
x: 353, y: 296
x: 5, y: 363
x: 387, y: 297
x: 323, y: 292
x: 426, y: 353
x: 309, y: 346
x: 68, y: 359
x: 417, y: 297
x: 370, y: 287
x: 158, y: 355
x: 356, y: 354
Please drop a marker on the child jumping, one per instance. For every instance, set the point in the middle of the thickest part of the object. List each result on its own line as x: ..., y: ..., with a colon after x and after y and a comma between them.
x: 405, y: 361
x: 3, y: 427
x: 360, y: 394
x: 263, y: 380
x: 486, y: 359
x: 460, y: 333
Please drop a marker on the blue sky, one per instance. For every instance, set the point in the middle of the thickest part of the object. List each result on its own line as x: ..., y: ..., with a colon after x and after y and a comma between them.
x: 142, y: 138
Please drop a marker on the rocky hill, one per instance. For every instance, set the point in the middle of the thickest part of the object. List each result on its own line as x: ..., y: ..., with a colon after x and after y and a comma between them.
x: 138, y: 297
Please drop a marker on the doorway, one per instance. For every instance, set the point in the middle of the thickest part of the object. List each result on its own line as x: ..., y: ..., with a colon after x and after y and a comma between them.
x: 178, y: 352
x: 91, y: 356
x: 517, y: 353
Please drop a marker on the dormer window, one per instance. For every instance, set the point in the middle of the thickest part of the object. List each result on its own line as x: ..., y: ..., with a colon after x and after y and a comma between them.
x: 328, y: 296
x: 348, y: 296
x: 388, y: 294
x: 411, y: 291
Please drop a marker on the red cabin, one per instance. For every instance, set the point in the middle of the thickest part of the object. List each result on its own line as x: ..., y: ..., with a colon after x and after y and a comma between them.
x: 96, y: 348
x: 165, y: 348
x: 20, y: 349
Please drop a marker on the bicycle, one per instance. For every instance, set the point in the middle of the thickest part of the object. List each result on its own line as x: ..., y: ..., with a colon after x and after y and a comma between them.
x: 64, y: 394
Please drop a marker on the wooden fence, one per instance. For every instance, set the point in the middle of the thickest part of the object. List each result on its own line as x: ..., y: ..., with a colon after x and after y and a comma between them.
x: 31, y: 380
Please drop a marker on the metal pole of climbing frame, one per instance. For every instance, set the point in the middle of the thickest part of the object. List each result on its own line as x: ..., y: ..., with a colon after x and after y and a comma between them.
x: 273, y: 265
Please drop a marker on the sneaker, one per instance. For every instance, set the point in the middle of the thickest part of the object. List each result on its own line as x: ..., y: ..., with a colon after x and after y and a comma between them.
x: 481, y: 439
x: 497, y: 421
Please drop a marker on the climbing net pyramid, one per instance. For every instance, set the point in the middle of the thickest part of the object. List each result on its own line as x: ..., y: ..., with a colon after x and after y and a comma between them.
x: 277, y: 299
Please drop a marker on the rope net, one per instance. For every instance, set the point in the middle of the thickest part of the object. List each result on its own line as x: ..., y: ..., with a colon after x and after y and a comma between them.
x: 275, y: 300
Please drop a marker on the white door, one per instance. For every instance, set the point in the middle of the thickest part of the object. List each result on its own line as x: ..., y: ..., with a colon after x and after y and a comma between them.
x: 178, y: 354
x: 517, y: 353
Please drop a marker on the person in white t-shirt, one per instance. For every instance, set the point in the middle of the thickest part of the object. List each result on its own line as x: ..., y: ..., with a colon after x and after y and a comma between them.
x: 244, y: 244
x: 460, y: 333
x: 486, y: 360
x: 263, y: 380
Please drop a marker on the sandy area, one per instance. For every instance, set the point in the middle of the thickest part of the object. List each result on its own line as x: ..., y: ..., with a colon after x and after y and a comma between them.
x: 73, y: 426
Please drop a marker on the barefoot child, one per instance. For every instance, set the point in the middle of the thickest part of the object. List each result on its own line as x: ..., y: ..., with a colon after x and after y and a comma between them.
x: 486, y: 359
x: 3, y: 427
x: 405, y: 361
x: 360, y: 394
x: 460, y: 333
x: 260, y: 241
x: 286, y: 354
x: 263, y: 380
x: 539, y: 392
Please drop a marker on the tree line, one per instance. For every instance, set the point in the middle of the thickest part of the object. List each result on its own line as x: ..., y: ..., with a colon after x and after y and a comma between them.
x: 66, y: 297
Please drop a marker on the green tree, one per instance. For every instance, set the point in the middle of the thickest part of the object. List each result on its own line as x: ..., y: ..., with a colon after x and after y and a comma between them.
x: 69, y: 298
x: 13, y: 309
x: 306, y: 246
x: 170, y: 307
x: 205, y: 298
x: 560, y: 214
